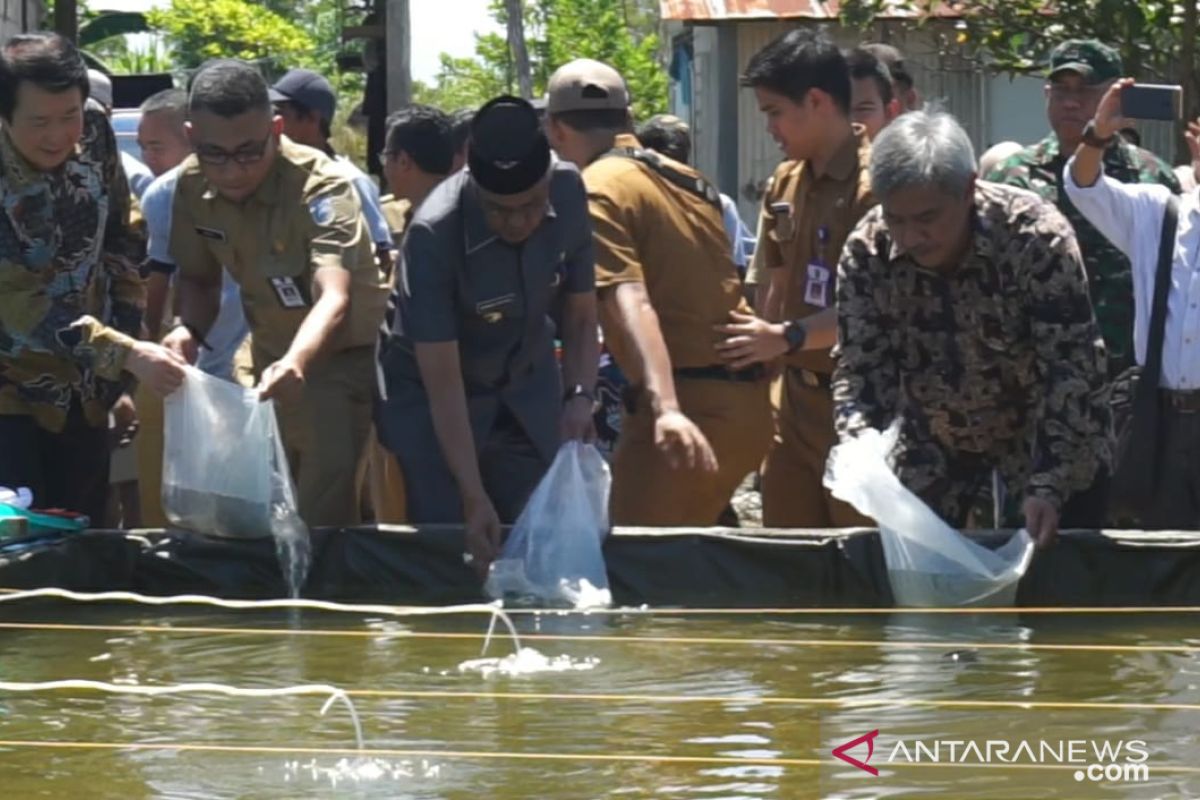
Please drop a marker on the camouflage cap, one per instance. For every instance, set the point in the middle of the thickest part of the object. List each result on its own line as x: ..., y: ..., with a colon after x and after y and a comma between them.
x: 1091, y: 59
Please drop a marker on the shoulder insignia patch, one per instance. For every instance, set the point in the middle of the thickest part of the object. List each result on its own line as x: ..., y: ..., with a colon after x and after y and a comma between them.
x: 321, y: 209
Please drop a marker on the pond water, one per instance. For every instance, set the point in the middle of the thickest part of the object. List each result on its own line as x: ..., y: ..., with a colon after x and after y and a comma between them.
x: 672, y: 704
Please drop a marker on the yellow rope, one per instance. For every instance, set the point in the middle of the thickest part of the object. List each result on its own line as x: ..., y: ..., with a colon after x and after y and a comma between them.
x: 184, y: 747
x: 840, y: 702
x: 642, y: 611
x: 689, y: 640
x: 844, y: 702
x: 873, y: 610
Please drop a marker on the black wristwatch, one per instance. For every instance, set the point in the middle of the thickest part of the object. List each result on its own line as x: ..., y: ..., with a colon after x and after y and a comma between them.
x: 795, y: 333
x: 578, y: 390
x: 1092, y: 140
x: 195, y: 332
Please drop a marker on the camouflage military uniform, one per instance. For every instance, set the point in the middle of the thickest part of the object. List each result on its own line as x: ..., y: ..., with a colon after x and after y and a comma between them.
x: 997, y: 365
x: 1039, y: 169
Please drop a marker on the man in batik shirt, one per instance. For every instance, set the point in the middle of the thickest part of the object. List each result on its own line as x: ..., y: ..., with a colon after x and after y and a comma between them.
x: 71, y: 298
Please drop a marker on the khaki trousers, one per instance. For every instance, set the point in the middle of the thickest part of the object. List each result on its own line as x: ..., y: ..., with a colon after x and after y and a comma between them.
x: 794, y: 495
x: 736, y: 419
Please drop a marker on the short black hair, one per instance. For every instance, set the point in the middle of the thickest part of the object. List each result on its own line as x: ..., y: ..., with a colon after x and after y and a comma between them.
x: 174, y: 101
x: 425, y: 134
x: 460, y: 127
x: 228, y: 88
x: 326, y: 126
x: 49, y: 61
x: 591, y: 120
x: 893, y: 59
x: 666, y: 136
x: 797, y: 62
x: 864, y: 64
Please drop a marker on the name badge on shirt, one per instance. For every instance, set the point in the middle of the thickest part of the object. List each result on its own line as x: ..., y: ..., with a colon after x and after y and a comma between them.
x: 211, y: 233
x: 817, y: 287
x: 785, y: 226
x: 288, y: 293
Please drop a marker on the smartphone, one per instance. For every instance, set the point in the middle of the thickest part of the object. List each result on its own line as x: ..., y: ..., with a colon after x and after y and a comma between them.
x: 1152, y: 101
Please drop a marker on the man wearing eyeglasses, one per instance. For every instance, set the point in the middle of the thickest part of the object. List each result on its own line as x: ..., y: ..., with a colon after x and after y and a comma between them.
x: 1080, y: 73
x: 472, y: 401
x: 287, y: 224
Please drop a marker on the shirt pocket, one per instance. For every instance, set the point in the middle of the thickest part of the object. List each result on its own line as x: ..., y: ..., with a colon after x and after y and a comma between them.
x: 783, y: 218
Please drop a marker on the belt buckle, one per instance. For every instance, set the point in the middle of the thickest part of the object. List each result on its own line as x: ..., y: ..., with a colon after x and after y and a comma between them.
x: 1186, y: 402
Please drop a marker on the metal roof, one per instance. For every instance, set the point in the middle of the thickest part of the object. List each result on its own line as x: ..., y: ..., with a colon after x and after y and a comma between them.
x: 695, y: 10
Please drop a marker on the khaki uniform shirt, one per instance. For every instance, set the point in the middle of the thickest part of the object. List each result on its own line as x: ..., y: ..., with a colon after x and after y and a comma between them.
x: 651, y: 231
x: 305, y: 216
x: 398, y: 214
x: 806, y: 219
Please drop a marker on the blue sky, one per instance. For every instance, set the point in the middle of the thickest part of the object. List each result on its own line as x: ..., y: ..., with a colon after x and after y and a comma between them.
x: 431, y: 35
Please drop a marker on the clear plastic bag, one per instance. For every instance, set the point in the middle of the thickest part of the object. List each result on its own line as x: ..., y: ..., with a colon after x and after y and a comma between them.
x: 224, y: 468
x: 929, y: 563
x: 553, y: 554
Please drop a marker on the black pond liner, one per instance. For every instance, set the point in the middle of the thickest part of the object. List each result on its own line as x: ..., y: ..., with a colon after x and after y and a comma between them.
x: 696, y: 568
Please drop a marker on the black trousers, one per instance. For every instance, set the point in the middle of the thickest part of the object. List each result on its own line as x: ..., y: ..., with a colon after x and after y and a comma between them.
x: 67, y: 470
x: 1177, y: 496
x: 509, y: 464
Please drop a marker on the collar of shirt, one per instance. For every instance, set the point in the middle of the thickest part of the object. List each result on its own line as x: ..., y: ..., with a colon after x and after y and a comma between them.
x: 627, y: 140
x: 981, y: 255
x: 476, y: 231
x: 847, y: 157
x: 16, y: 171
x: 1048, y: 152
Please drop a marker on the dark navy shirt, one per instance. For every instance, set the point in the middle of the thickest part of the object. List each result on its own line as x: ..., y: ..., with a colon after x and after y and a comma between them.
x: 457, y: 281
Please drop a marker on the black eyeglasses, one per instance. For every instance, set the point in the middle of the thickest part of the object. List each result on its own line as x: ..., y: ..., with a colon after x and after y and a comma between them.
x: 248, y: 154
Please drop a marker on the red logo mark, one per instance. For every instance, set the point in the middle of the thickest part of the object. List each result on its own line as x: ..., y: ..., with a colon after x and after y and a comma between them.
x: 869, y: 738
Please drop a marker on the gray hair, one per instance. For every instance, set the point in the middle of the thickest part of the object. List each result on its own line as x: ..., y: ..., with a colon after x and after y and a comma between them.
x: 919, y: 149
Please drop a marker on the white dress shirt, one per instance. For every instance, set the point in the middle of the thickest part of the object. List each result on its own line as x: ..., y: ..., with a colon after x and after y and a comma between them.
x: 1131, y: 216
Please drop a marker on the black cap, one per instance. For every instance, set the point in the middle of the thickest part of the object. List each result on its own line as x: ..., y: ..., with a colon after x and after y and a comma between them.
x: 307, y: 88
x: 508, y: 151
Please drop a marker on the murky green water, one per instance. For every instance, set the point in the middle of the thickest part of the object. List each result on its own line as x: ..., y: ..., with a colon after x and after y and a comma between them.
x: 766, y: 702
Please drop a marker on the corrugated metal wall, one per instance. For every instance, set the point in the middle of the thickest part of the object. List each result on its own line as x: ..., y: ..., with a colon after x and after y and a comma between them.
x: 945, y: 79
x: 18, y: 16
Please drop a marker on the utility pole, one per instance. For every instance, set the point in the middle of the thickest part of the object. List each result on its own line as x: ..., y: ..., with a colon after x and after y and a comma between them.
x: 66, y: 18
x: 516, y: 46
x: 399, y: 53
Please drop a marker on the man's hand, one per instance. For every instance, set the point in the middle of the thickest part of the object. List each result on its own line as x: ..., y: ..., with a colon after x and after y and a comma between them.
x: 125, y: 421
x: 1193, y: 142
x: 750, y: 341
x: 155, y: 366
x: 682, y: 443
x: 283, y: 380
x: 483, y: 534
x: 578, y: 422
x: 1041, y: 520
x: 1108, y: 120
x: 181, y: 342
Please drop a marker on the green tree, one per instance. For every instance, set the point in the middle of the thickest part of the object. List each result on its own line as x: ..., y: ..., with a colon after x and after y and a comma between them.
x: 197, y: 30
x: 1156, y: 38
x: 619, y: 32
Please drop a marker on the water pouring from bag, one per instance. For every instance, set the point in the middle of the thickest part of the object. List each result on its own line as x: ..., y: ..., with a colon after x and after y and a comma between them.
x: 929, y: 563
